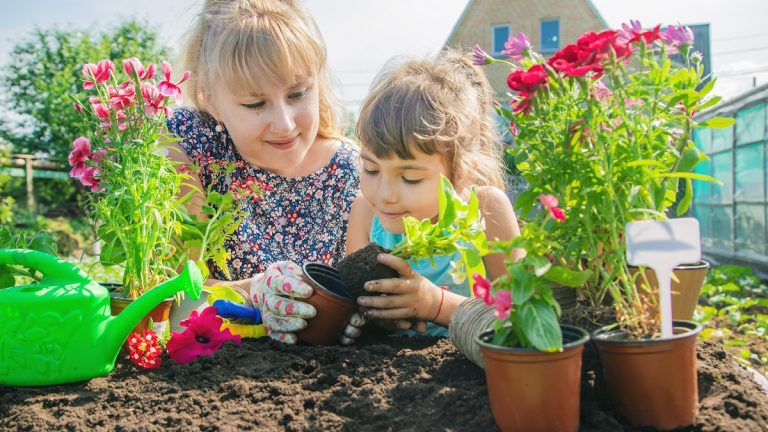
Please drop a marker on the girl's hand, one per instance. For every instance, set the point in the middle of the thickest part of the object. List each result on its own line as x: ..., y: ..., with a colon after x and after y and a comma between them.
x: 411, y: 296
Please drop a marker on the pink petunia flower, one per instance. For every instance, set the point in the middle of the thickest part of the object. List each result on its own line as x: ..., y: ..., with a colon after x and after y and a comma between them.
x: 677, y: 38
x: 203, y: 336
x: 99, y: 72
x: 517, y: 47
x: 168, y: 87
x: 482, y: 289
x: 503, y: 304
x: 131, y: 65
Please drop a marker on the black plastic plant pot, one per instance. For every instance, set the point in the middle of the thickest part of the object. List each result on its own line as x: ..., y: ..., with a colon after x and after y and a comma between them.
x: 332, y: 301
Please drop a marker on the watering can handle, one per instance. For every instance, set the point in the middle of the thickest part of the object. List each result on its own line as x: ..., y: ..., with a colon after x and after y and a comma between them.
x: 49, y: 265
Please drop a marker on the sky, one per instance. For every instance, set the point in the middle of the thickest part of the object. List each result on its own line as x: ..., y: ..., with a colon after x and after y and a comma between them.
x: 361, y: 35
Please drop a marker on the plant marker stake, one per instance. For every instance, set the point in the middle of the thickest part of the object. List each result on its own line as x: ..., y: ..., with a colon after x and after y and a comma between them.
x: 662, y: 246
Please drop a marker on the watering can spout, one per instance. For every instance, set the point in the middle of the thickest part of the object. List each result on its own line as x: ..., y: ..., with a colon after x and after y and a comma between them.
x: 118, y: 328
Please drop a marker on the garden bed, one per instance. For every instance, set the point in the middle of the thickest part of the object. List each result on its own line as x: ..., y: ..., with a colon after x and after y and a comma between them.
x: 384, y: 383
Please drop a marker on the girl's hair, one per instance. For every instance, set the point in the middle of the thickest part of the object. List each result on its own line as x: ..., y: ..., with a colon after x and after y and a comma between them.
x: 245, y: 43
x: 442, y: 105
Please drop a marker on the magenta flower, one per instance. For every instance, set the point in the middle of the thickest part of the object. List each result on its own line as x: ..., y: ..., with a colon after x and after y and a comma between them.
x: 549, y: 202
x: 78, y: 156
x: 133, y: 64
x: 482, y: 289
x: 677, y: 38
x: 628, y: 31
x: 203, y: 336
x: 480, y: 57
x: 517, y: 47
x: 99, y: 72
x: 503, y: 304
x: 168, y: 87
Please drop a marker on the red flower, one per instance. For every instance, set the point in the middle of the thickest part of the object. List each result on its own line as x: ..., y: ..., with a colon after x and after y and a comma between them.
x: 528, y: 81
x: 145, y: 349
x: 203, y: 336
x: 549, y: 202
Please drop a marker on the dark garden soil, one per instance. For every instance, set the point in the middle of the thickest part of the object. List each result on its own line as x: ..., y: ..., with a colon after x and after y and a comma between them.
x: 360, y: 267
x: 384, y: 383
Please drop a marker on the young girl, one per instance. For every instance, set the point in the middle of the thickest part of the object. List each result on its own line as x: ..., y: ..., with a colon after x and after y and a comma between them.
x: 423, y: 119
x: 262, y: 101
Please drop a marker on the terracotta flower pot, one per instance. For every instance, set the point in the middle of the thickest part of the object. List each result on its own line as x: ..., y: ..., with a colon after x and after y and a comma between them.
x: 160, y: 315
x: 652, y: 382
x: 685, y: 291
x: 532, y: 390
x: 332, y: 301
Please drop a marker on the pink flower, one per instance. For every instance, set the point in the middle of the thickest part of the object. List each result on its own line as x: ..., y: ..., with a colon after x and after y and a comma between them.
x: 78, y: 156
x: 517, y: 47
x: 677, y: 38
x: 503, y: 304
x: 133, y: 64
x: 203, y: 336
x: 153, y: 100
x: 480, y: 57
x: 482, y: 289
x: 99, y: 72
x: 123, y: 96
x: 168, y: 87
x: 88, y: 178
x: 549, y: 202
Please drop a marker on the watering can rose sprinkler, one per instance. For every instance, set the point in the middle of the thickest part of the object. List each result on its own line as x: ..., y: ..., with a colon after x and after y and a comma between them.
x: 60, y: 330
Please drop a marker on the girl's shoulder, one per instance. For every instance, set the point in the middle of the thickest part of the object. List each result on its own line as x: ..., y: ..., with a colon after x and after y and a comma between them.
x: 491, y: 197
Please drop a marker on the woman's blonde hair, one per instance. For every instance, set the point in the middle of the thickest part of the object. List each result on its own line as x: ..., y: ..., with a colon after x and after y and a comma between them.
x: 442, y: 105
x: 245, y: 43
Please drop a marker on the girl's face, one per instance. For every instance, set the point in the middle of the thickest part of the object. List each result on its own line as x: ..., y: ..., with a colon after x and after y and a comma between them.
x: 396, y: 187
x: 272, y: 127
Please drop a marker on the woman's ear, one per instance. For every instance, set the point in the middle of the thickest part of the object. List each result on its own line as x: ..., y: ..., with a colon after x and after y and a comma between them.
x: 206, y: 103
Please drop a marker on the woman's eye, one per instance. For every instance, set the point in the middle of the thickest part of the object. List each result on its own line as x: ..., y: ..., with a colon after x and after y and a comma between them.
x: 298, y: 95
x: 412, y: 181
x: 254, y: 105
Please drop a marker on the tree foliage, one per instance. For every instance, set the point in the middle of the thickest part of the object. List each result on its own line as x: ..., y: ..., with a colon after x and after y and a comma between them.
x: 38, y: 84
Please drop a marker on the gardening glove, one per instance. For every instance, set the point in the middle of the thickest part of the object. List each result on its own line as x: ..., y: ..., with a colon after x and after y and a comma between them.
x: 354, y: 328
x: 275, y: 293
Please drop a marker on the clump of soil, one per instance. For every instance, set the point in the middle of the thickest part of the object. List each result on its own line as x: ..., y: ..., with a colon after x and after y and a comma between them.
x: 384, y: 383
x: 361, y: 266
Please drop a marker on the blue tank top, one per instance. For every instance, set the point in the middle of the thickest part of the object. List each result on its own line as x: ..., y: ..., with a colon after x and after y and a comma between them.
x: 437, y: 274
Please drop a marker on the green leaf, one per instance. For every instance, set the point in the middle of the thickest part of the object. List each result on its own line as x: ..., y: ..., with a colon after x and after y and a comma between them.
x: 43, y: 242
x: 522, y: 284
x: 6, y: 277
x: 540, y: 265
x: 446, y: 203
x: 693, y: 176
x: 539, y: 323
x: 685, y: 202
x: 688, y: 161
x: 718, y: 122
x: 567, y: 277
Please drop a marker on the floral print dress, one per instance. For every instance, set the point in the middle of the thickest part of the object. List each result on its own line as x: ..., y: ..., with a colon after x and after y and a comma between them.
x: 301, y: 219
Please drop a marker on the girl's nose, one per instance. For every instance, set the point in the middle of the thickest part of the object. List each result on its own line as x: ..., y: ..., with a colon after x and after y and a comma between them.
x: 388, y: 192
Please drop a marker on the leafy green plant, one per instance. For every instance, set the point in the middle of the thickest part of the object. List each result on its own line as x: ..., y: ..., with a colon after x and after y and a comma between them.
x: 15, y: 239
x: 605, y: 125
x: 526, y: 310
x: 734, y: 308
x: 459, y: 228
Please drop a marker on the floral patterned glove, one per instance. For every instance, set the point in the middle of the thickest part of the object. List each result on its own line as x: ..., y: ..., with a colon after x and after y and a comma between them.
x: 275, y: 292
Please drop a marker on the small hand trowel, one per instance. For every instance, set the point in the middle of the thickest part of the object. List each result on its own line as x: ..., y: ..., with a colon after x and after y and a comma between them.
x: 662, y: 246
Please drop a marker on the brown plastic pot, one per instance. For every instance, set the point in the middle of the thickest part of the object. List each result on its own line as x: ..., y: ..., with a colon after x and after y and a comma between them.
x: 332, y: 301
x: 531, y: 390
x: 685, y: 291
x: 652, y: 382
x: 160, y: 315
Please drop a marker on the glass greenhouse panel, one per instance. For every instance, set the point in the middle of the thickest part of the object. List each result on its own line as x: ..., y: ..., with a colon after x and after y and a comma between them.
x: 722, y: 169
x: 750, y: 228
x: 750, y: 125
x: 722, y: 139
x: 750, y: 174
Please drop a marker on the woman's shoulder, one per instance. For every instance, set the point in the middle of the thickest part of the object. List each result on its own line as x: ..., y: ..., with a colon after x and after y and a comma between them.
x: 196, y: 132
x: 347, y: 153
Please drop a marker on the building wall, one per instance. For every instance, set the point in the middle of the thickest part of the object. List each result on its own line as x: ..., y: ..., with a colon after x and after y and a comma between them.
x: 576, y: 17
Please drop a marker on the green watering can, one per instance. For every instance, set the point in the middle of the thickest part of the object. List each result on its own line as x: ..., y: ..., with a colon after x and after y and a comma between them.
x: 61, y: 330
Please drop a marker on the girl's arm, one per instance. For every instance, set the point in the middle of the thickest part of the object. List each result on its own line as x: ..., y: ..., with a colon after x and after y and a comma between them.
x: 500, y: 224
x: 359, y: 225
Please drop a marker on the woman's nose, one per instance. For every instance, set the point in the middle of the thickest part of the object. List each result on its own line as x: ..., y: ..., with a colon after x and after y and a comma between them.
x: 282, y: 118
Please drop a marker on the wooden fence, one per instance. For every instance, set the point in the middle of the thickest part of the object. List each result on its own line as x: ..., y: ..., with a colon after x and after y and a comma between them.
x: 30, y: 167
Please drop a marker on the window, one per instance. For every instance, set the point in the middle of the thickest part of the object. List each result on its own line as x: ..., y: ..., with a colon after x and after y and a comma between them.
x: 550, y: 36
x: 499, y: 36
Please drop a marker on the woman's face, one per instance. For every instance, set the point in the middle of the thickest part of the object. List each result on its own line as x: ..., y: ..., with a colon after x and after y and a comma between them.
x: 272, y: 127
x: 396, y: 188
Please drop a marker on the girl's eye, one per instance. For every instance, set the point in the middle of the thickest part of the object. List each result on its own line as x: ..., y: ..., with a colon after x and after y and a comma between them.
x: 370, y: 172
x: 298, y: 95
x: 412, y: 181
x: 255, y: 105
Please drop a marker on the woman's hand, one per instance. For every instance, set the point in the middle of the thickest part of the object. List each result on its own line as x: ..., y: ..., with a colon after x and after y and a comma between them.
x: 275, y: 292
x: 410, y: 297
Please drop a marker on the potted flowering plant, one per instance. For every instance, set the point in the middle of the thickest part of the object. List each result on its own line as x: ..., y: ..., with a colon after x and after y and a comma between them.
x: 527, y: 347
x: 605, y: 125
